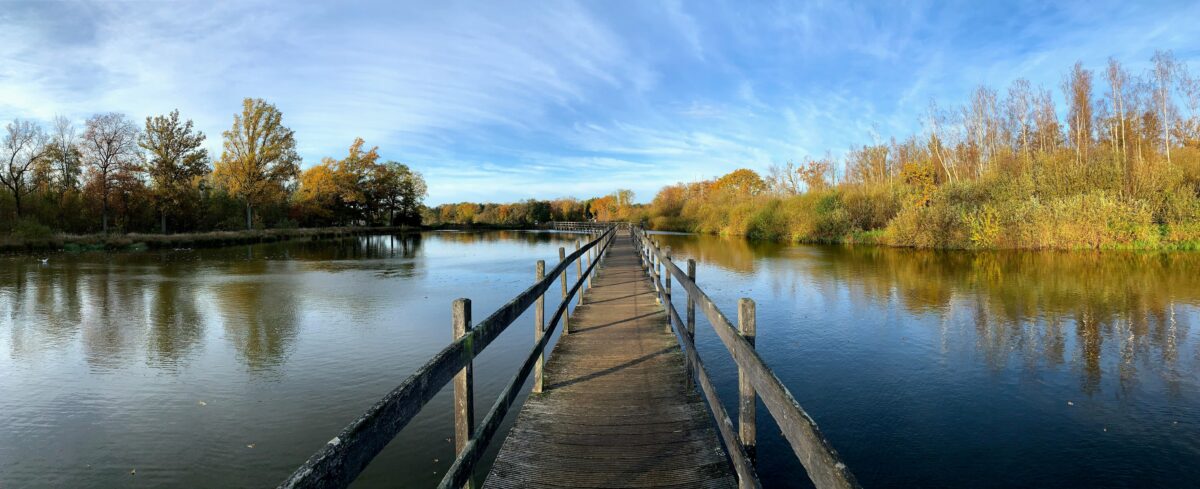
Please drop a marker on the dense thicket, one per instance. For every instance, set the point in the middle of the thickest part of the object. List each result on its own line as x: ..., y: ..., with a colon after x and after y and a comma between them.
x: 116, y: 175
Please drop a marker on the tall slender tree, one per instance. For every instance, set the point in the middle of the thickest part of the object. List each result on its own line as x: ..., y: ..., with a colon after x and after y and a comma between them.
x: 1078, y: 90
x: 1164, y: 76
x: 1019, y: 111
x: 65, y: 155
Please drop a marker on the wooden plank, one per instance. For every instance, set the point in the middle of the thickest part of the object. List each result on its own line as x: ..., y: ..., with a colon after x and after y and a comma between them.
x: 614, y: 411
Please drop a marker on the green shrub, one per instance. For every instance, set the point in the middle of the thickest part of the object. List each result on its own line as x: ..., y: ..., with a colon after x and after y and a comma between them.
x: 30, y: 230
x: 769, y: 222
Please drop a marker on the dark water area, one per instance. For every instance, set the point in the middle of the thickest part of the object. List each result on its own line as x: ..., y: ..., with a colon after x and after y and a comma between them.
x: 955, y: 369
x: 229, y: 367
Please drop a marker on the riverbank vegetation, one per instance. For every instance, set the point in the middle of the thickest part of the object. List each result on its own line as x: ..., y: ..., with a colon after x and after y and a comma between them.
x: 115, y: 176
x: 1004, y: 171
x: 210, y: 239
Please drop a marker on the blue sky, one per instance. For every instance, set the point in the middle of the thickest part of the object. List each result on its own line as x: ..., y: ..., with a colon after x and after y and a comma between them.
x: 499, y: 101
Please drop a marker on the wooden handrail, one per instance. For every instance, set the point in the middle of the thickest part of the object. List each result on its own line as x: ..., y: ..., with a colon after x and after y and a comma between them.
x: 822, y: 463
x: 342, y: 459
x: 742, y: 462
x: 460, y: 470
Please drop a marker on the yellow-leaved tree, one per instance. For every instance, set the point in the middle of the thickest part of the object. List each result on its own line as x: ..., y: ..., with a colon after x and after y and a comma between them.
x: 259, y: 156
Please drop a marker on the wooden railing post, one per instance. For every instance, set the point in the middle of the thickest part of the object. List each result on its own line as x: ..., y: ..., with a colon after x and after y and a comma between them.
x: 691, y: 321
x: 654, y: 273
x: 539, y: 320
x: 657, y: 264
x: 591, y: 255
x: 562, y: 256
x: 746, y: 396
x: 464, y: 402
x: 579, y: 272
x: 667, y: 286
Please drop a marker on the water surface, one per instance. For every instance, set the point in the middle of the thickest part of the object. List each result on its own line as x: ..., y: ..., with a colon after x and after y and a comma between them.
x: 229, y: 367
x: 955, y: 369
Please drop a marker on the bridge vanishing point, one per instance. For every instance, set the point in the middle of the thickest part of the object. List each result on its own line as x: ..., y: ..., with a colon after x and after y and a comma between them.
x: 617, y: 404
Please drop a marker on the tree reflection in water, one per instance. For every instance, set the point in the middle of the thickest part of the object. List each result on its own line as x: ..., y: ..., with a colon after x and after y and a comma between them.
x: 1033, y: 308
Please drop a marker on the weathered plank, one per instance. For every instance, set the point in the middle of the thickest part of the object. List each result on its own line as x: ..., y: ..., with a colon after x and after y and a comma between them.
x: 615, y: 410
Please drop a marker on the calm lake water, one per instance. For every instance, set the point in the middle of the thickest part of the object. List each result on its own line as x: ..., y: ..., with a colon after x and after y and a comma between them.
x: 229, y: 367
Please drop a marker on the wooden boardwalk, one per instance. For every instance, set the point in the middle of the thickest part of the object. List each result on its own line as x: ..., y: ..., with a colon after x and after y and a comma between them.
x: 616, y: 410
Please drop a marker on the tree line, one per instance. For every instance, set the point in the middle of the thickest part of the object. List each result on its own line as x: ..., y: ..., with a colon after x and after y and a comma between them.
x: 617, y: 206
x: 1121, y: 169
x: 113, y: 174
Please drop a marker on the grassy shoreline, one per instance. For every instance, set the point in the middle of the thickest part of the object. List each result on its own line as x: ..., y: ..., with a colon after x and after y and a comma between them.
x: 878, y: 237
x: 212, y: 239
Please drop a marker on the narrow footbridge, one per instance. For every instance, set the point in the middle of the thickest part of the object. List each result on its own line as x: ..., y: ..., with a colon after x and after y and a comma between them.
x: 624, y: 401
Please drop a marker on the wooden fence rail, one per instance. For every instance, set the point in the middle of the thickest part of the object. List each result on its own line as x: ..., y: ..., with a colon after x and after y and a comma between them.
x: 825, y: 468
x: 584, y: 225
x: 344, y: 457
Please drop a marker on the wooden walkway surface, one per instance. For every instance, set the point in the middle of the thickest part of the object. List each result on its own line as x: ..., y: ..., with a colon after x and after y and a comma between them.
x: 615, y: 411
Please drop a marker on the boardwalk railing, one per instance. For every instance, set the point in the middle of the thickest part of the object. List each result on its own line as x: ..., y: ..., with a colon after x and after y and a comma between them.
x: 344, y: 457
x: 820, y: 460
x: 584, y: 225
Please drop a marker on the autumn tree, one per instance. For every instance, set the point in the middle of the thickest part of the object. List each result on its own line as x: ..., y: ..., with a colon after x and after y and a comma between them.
x: 175, y: 162
x: 400, y: 191
x: 1047, y: 133
x: 816, y: 173
x: 742, y: 182
x: 1077, y: 88
x: 1018, y: 109
x: 259, y: 156
x: 65, y: 160
x: 109, y: 145
x: 317, y: 194
x: 941, y: 130
x: 670, y: 200
x: 566, y: 209
x: 1118, y: 81
x: 352, y: 175
x: 1164, y: 74
x: 782, y: 180
x: 1189, y: 86
x: 605, y: 208
x: 868, y: 164
x: 982, y: 118
x: 24, y: 145
x: 65, y: 155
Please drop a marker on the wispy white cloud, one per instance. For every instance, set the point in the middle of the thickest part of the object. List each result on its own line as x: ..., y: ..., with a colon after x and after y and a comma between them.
x: 503, y: 101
